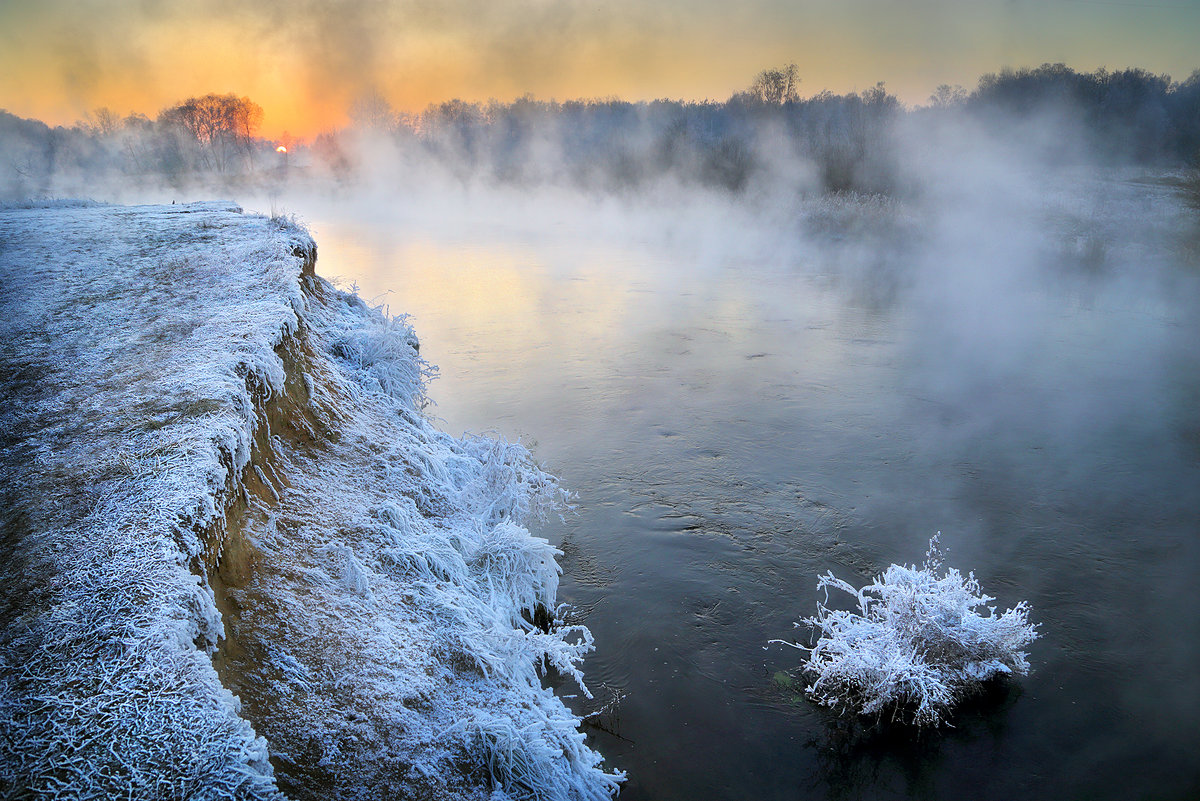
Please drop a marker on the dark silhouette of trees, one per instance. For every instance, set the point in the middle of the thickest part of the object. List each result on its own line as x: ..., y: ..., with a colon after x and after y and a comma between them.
x: 775, y: 87
x: 1130, y: 115
x: 1183, y: 111
x: 765, y: 136
x: 947, y: 96
x: 771, y: 87
x: 26, y: 156
x: 372, y: 112
x: 221, y: 126
x: 104, y: 121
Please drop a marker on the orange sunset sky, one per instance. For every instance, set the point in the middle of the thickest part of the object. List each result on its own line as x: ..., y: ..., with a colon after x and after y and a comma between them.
x: 305, y: 61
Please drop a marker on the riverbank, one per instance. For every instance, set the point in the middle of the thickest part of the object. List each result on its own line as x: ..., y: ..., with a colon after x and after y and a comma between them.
x: 243, y: 563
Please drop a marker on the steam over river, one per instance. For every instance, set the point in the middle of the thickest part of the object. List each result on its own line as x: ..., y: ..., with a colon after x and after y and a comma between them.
x: 743, y: 400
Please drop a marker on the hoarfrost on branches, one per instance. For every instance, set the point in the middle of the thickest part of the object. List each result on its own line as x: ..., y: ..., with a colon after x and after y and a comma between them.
x: 921, y: 639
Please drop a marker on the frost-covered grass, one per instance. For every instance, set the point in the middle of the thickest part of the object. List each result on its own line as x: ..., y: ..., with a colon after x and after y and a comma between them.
x: 920, y: 640
x: 408, y: 535
x: 127, y: 339
x: 238, y: 557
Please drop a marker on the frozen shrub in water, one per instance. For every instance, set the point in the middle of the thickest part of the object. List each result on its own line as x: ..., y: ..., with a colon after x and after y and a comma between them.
x: 917, y: 644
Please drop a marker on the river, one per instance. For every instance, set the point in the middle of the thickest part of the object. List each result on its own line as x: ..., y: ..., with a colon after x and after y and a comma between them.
x: 743, y: 399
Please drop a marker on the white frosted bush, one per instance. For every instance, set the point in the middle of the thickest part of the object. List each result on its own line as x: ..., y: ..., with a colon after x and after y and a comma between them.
x: 920, y: 640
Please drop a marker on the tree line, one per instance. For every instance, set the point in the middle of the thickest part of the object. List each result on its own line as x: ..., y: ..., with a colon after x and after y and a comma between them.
x: 761, y: 133
x: 212, y: 134
x: 1130, y: 115
x: 765, y: 133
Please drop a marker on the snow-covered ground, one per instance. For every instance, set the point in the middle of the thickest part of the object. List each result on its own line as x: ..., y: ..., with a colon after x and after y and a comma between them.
x: 238, y: 558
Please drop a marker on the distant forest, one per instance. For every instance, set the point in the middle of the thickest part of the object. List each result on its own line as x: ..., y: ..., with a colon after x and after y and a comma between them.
x: 847, y: 142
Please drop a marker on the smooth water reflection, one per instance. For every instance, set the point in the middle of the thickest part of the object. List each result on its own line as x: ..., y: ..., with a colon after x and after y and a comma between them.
x: 742, y: 409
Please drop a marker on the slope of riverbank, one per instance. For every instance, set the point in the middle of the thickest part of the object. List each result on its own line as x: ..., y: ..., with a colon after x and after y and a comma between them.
x: 239, y: 560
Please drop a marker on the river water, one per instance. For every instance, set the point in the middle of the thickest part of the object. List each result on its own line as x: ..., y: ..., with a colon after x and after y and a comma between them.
x: 743, y: 399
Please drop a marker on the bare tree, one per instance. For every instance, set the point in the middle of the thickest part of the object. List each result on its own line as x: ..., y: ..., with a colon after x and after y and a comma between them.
x: 103, y: 121
x: 776, y: 87
x: 947, y: 96
x: 221, y: 125
x: 372, y: 112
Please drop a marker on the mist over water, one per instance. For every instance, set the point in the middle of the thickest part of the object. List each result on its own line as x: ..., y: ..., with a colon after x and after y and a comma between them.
x: 745, y: 395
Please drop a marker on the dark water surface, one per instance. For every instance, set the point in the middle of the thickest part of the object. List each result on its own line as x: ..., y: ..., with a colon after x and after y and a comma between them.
x: 742, y: 404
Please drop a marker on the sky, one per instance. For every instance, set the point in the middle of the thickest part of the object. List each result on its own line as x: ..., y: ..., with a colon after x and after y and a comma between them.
x: 306, y: 61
